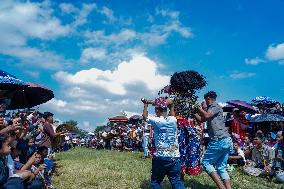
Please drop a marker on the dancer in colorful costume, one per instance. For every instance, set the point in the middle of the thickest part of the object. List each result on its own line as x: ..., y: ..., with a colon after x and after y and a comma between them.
x: 182, y: 92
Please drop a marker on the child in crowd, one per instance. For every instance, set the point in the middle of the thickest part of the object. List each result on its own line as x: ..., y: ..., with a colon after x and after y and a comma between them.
x: 238, y: 156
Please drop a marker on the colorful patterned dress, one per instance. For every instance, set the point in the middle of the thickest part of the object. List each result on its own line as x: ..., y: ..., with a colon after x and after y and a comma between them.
x: 190, y: 132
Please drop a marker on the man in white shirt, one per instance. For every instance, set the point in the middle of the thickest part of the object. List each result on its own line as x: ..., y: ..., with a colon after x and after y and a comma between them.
x: 166, y: 158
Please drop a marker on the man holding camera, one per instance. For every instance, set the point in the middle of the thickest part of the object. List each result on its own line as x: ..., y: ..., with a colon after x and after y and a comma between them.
x: 166, y: 157
x: 48, y: 133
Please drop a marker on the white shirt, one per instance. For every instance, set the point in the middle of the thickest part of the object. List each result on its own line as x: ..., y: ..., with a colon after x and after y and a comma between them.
x: 165, y: 134
x: 241, y: 153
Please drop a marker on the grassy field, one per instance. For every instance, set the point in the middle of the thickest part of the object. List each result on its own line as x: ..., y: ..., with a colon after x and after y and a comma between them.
x: 86, y: 169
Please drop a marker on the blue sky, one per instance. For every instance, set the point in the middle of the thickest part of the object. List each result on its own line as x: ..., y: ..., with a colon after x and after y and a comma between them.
x: 101, y: 57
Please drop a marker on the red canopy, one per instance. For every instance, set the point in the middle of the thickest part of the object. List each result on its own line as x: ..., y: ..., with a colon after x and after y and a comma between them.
x: 118, y: 119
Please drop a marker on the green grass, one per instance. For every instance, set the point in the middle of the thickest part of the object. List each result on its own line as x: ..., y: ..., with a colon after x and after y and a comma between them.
x: 86, y: 169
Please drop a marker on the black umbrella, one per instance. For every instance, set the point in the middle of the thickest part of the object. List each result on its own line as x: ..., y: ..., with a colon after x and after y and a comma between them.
x: 30, y: 96
x: 267, y: 118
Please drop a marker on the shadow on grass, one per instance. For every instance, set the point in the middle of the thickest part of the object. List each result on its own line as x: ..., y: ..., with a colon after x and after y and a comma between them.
x: 193, y: 184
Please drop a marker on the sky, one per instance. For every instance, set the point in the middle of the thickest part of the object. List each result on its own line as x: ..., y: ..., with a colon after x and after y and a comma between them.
x: 102, y: 57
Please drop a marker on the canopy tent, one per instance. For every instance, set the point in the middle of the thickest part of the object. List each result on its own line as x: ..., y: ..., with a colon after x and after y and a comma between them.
x: 119, y: 118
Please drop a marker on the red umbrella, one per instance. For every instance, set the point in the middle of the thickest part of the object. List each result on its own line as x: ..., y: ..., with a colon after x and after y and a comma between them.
x: 32, y: 95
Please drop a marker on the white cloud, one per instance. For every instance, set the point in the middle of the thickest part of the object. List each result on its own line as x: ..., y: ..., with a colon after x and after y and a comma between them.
x: 21, y: 22
x: 92, y: 54
x: 30, y: 20
x: 68, y: 8
x: 275, y: 52
x: 241, y: 75
x: 154, y: 38
x: 33, y: 74
x: 154, y: 35
x: 34, y: 56
x: 95, y: 94
x: 80, y: 15
x: 168, y: 13
x: 108, y: 13
x: 81, y: 18
x: 176, y: 27
x: 58, y: 106
x: 99, y: 37
x: 138, y: 70
x: 173, y: 24
x: 254, y: 61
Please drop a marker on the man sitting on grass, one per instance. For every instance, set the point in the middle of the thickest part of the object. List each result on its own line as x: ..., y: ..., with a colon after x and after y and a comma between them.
x: 166, y: 157
x: 262, y: 159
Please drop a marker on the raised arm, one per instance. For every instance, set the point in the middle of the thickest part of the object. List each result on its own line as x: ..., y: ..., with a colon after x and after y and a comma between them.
x: 145, y: 111
x: 171, y: 106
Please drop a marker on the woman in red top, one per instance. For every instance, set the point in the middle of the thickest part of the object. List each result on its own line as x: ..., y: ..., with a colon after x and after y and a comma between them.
x: 239, y: 123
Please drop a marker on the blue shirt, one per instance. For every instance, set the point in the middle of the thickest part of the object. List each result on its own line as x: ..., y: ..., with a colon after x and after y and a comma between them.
x: 165, y: 135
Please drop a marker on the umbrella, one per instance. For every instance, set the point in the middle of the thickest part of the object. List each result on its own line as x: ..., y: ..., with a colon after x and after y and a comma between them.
x: 30, y: 96
x: 263, y: 101
x: 8, y: 81
x: 242, y: 105
x: 267, y: 118
x: 136, y: 117
x: 228, y: 108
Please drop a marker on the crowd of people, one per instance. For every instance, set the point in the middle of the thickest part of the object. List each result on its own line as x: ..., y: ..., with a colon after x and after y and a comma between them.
x: 26, y: 155
x: 258, y: 147
x: 122, y: 137
x: 183, y: 137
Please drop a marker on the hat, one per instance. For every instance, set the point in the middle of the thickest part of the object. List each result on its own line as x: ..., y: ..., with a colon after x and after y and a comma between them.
x: 113, y: 132
x: 47, y: 114
x: 160, y: 102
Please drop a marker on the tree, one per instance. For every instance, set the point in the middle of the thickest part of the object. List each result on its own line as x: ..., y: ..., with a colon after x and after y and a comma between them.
x: 72, y: 125
x: 100, y: 128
